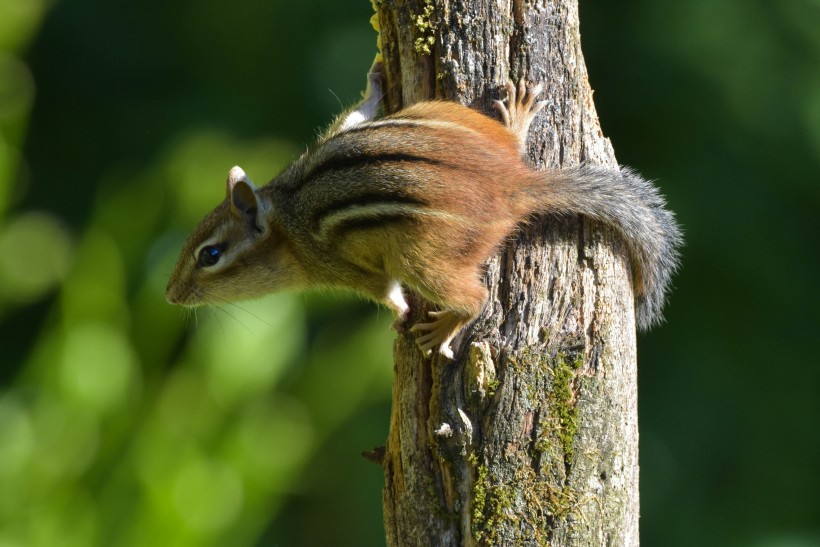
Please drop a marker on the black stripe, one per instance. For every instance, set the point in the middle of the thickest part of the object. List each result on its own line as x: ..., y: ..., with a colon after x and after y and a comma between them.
x: 338, y: 163
x: 366, y: 223
x: 385, y: 123
x: 370, y: 198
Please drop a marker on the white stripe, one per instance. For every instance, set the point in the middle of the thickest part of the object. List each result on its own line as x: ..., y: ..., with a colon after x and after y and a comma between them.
x: 356, y: 212
x: 437, y: 124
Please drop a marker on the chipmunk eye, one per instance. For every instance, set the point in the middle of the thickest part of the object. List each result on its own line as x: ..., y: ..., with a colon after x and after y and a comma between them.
x: 208, y: 256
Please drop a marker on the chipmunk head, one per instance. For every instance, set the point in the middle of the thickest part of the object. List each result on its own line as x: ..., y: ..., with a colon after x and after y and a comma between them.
x: 234, y: 254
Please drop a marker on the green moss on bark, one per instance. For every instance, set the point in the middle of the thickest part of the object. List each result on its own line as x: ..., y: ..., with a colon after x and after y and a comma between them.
x: 517, y: 510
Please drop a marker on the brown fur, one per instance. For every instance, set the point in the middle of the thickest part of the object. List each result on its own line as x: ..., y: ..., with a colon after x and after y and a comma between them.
x: 423, y: 197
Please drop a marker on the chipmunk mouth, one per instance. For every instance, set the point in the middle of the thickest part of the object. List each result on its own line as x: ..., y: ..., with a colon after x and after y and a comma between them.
x: 173, y: 298
x: 182, y: 296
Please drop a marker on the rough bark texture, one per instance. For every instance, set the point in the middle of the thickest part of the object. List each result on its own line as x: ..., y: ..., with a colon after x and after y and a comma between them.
x: 530, y: 436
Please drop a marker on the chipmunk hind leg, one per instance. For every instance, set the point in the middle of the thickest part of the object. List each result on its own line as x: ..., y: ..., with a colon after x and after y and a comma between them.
x: 461, y: 296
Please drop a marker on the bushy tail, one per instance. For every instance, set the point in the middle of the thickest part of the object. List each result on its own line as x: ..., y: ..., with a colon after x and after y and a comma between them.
x: 638, y: 211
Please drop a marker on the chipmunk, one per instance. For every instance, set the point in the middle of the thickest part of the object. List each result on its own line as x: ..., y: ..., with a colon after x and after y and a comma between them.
x: 419, y: 199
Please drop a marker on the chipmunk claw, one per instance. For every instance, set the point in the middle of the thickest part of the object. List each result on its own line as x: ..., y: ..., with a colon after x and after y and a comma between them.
x: 438, y: 334
x: 519, y: 108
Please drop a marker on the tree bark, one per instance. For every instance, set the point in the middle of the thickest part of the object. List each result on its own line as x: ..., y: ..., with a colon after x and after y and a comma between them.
x: 530, y: 436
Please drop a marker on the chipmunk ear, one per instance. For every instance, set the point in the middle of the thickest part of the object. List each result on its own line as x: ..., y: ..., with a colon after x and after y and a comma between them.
x: 244, y: 202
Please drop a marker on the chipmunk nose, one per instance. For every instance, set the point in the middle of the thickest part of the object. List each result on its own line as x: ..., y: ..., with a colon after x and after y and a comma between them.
x: 182, y: 293
x: 171, y: 298
x: 172, y: 294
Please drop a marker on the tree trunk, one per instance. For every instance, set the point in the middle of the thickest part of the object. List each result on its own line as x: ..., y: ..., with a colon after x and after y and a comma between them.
x: 530, y: 436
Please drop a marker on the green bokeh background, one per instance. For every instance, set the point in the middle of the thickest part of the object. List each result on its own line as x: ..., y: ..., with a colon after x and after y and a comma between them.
x: 124, y: 421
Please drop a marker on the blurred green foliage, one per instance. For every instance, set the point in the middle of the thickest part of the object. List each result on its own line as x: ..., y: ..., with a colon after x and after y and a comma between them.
x: 124, y: 421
